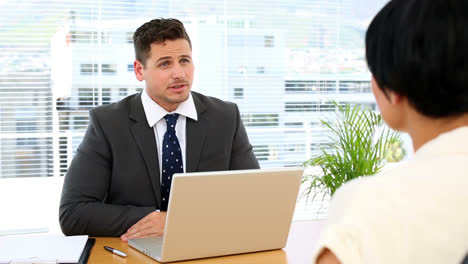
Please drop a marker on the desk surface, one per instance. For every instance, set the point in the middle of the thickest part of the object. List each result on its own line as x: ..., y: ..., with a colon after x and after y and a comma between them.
x: 298, y: 250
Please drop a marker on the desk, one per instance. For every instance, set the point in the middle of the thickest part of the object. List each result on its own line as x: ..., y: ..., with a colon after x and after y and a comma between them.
x: 302, y: 238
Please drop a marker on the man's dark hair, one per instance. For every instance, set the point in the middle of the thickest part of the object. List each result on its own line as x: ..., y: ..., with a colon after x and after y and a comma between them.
x: 157, y: 31
x: 419, y: 49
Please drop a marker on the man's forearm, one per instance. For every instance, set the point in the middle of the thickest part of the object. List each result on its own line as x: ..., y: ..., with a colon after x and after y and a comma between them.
x: 99, y: 219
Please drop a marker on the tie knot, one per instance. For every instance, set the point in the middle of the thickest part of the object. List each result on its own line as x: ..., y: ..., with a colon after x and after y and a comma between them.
x: 171, y: 121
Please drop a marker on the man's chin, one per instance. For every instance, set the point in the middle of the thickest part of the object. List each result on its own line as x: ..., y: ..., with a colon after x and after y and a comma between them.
x: 179, y: 97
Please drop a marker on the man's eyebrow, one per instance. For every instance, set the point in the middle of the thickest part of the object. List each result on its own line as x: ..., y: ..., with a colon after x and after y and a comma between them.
x: 164, y: 58
x: 170, y: 58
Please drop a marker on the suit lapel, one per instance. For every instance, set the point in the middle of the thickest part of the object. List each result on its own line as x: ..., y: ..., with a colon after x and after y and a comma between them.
x: 143, y: 135
x: 195, y: 135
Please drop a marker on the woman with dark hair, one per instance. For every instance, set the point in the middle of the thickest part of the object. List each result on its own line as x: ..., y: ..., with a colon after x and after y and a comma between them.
x: 417, y: 52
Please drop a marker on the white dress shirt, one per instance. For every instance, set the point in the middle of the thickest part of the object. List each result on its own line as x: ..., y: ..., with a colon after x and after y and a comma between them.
x: 154, y: 115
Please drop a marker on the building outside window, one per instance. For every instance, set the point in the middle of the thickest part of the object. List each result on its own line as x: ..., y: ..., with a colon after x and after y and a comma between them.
x: 281, y: 63
x: 310, y: 60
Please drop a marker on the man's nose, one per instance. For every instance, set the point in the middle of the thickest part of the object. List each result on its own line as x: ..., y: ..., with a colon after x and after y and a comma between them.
x: 178, y: 72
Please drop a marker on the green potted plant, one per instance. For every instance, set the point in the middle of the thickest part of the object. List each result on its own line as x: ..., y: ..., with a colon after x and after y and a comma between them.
x: 359, y: 146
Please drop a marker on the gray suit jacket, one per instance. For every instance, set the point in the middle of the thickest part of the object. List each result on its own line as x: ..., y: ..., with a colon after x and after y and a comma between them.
x: 113, y: 180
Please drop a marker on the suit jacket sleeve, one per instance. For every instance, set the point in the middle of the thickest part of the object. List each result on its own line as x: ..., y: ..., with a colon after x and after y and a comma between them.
x: 242, y: 156
x: 83, y: 208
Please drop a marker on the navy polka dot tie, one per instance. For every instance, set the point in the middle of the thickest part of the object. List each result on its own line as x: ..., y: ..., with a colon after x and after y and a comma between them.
x: 171, y: 158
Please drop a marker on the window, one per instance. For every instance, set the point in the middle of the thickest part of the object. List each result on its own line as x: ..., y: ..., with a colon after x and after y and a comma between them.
x: 80, y: 122
x: 129, y: 37
x: 260, y: 120
x: 63, y: 144
x: 123, y: 91
x: 261, y: 151
x: 285, y: 62
x: 107, y: 69
x: 269, y: 41
x: 372, y: 106
x: 88, y: 69
x: 310, y: 86
x: 106, y: 95
x: 90, y: 96
x: 238, y: 93
x: 83, y: 37
x: 316, y: 148
x: 110, y: 69
x: 300, y: 107
x: 89, y: 37
x: 293, y: 124
x: 87, y: 97
x: 324, y: 106
x: 355, y: 87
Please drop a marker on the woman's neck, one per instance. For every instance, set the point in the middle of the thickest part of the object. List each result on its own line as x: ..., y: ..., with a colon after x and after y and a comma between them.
x: 423, y: 129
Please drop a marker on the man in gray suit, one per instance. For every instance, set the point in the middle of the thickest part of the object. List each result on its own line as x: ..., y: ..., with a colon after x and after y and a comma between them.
x: 119, y: 180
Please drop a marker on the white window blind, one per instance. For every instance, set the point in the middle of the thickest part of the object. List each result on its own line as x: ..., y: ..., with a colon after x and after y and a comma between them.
x: 282, y: 62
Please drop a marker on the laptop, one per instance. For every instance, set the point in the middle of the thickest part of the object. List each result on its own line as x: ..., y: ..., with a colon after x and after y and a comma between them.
x: 224, y: 213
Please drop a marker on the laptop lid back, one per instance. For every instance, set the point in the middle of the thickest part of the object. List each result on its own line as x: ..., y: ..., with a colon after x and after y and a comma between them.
x: 230, y: 212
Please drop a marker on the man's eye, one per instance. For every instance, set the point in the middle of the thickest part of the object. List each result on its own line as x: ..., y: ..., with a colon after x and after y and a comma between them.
x: 185, y: 60
x: 164, y: 64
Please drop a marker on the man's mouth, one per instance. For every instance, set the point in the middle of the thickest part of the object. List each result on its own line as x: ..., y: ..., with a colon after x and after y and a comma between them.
x: 177, y: 86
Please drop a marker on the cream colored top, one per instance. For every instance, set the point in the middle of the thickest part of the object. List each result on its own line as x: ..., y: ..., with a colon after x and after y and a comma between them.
x: 416, y: 212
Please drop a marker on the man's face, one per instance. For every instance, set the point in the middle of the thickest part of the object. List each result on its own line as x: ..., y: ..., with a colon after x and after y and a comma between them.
x: 168, y: 73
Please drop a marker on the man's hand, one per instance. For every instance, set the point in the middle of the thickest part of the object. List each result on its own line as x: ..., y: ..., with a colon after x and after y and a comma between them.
x: 150, y: 225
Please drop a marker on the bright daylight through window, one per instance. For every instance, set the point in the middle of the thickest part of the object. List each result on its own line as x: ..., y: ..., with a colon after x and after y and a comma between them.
x: 282, y: 62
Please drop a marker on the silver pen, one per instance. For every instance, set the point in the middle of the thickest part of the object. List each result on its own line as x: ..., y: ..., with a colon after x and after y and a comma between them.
x: 115, y: 251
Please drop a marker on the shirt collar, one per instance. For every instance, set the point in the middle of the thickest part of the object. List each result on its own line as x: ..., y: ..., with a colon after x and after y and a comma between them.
x: 154, y: 112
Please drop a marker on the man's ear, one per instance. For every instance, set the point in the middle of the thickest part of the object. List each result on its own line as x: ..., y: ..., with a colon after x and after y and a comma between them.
x: 138, y: 69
